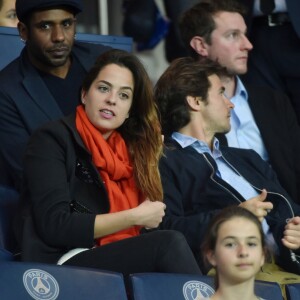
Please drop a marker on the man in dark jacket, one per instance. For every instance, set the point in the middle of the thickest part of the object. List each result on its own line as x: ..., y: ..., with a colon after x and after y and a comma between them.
x: 263, y: 119
x: 200, y: 177
x: 269, y: 64
x: 43, y: 83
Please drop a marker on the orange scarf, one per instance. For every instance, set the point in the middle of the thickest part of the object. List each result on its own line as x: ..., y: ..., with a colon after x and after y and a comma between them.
x: 112, y: 161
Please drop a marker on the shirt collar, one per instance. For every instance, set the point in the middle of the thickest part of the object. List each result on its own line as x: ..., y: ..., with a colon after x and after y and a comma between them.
x: 240, y: 91
x: 200, y: 146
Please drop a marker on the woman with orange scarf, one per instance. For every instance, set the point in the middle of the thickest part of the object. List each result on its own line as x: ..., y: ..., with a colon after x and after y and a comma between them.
x: 91, y: 182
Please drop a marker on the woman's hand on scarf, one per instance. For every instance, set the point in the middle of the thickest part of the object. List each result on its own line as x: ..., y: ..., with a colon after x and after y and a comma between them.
x: 149, y: 213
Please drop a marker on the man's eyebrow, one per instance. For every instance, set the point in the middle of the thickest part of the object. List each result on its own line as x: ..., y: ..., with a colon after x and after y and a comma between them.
x: 54, y: 22
x: 233, y: 30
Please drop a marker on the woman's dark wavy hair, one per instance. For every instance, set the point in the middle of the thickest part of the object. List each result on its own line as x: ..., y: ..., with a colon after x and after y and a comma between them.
x: 141, y: 131
x: 184, y: 77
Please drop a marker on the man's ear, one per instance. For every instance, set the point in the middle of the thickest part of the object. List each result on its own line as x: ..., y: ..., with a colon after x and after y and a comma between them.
x: 23, y: 31
x: 199, y: 45
x: 194, y: 102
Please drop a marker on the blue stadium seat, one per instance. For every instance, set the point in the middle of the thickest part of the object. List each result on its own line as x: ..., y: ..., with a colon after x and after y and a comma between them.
x: 6, y: 255
x: 268, y: 290
x: 9, y: 200
x: 20, y: 280
x: 162, y: 286
x: 292, y: 291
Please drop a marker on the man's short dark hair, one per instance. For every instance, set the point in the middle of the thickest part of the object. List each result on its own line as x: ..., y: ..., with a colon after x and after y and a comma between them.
x: 184, y: 77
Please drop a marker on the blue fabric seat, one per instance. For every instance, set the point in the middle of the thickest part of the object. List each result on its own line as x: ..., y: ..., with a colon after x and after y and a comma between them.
x: 162, y: 286
x: 6, y: 255
x: 292, y: 291
x: 9, y: 199
x: 20, y: 280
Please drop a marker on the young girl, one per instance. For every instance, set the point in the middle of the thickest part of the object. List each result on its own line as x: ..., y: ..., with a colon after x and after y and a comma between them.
x: 91, y: 180
x: 235, y: 247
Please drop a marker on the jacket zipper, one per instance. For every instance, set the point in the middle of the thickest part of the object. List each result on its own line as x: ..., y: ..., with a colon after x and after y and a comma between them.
x: 294, y: 257
x: 219, y: 184
x: 274, y: 193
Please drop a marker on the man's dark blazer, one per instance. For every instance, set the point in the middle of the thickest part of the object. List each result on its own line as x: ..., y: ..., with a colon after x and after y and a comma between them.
x: 193, y: 193
x: 280, y: 132
x: 293, y: 8
x: 25, y: 104
x: 270, y: 64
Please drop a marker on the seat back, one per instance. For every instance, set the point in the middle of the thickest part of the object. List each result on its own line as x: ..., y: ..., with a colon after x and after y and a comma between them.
x: 162, y: 286
x: 5, y: 255
x: 20, y: 280
x: 11, y: 45
x: 9, y: 200
x: 268, y: 290
x: 292, y: 291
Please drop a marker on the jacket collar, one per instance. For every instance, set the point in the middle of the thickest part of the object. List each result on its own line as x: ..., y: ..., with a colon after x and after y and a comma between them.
x: 70, y: 122
x: 35, y: 86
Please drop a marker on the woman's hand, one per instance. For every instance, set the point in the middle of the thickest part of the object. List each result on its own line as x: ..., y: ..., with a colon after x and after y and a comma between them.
x: 149, y: 213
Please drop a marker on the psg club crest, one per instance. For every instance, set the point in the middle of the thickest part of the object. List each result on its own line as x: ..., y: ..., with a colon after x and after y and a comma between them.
x: 195, y: 290
x: 40, y: 285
